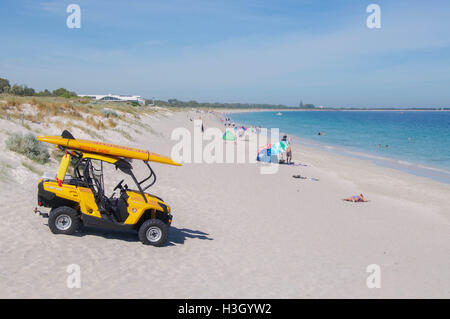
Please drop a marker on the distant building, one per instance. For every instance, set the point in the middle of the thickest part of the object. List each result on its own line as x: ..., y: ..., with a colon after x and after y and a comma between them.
x: 115, y: 98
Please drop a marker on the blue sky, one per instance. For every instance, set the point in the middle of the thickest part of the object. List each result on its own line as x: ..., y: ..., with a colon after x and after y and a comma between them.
x: 234, y: 51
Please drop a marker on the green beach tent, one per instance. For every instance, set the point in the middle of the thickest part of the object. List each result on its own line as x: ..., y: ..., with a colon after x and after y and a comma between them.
x: 228, y: 136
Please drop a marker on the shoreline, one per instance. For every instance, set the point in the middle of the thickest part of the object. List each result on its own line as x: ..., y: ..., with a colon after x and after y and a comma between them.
x: 230, y: 111
x: 434, y: 173
x: 437, y: 174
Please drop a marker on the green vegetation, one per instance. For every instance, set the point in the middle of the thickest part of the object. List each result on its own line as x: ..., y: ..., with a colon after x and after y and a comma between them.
x: 64, y: 93
x: 29, y: 146
x: 4, y: 85
x: 23, y: 90
x: 195, y: 104
x: 109, y: 113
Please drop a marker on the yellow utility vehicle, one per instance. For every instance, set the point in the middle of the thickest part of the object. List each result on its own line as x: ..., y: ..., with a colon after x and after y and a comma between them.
x: 80, y: 199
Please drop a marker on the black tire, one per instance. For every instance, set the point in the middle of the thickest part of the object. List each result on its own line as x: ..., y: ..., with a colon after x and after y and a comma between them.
x: 64, y: 220
x: 153, y: 232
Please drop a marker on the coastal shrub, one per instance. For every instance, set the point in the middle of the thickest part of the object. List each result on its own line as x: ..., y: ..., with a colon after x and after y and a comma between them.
x: 47, y: 108
x: 13, y: 102
x: 29, y: 146
x: 112, y: 123
x: 93, y: 123
x: 109, y: 113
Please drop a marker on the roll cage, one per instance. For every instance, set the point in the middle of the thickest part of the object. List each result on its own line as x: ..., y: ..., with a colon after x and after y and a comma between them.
x: 88, y: 175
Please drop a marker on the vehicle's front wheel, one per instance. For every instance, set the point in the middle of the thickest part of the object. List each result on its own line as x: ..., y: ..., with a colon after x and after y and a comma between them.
x: 63, y: 220
x: 153, y: 232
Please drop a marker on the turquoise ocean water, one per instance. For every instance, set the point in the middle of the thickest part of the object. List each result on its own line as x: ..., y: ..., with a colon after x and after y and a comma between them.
x: 418, y: 141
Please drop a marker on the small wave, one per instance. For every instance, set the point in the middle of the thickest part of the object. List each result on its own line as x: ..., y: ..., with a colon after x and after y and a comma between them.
x: 441, y: 170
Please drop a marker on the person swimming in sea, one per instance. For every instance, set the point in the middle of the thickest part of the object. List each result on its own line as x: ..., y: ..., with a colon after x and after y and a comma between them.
x: 356, y: 198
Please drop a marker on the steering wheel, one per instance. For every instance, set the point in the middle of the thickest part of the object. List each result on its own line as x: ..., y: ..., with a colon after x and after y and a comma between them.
x: 119, y: 185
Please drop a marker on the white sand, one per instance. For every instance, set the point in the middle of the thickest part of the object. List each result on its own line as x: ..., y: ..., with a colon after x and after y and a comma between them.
x: 239, y: 234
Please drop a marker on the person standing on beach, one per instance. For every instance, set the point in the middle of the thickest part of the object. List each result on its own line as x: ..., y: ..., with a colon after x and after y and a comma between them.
x: 289, y: 152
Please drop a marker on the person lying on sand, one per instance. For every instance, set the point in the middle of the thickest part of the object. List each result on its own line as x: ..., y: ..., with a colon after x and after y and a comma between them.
x: 356, y: 198
x: 303, y: 177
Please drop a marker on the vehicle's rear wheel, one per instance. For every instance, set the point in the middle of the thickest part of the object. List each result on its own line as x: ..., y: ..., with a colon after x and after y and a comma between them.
x: 153, y: 232
x: 63, y: 220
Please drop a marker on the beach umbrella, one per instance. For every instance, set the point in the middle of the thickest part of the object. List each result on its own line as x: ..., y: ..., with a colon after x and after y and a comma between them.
x: 284, y: 145
x: 264, y: 155
x: 279, y: 147
x: 264, y: 147
x: 228, y: 136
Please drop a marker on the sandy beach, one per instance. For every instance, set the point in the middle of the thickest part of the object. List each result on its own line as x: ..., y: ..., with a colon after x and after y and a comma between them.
x: 237, y: 233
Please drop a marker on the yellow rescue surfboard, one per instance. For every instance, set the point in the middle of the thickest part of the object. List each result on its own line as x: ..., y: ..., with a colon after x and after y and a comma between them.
x: 107, y: 149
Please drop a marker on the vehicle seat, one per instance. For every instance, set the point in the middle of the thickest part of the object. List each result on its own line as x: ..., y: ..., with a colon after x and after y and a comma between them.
x: 117, y: 207
x: 121, y: 209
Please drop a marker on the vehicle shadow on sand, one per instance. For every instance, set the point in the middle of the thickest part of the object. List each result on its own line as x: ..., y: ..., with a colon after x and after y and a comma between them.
x: 177, y: 236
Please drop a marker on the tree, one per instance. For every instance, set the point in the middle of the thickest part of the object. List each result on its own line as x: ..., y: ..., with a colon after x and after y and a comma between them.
x: 4, y: 83
x: 60, y: 92
x: 28, y: 91
x: 44, y: 93
x: 17, y: 89
x: 64, y: 93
